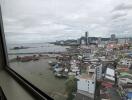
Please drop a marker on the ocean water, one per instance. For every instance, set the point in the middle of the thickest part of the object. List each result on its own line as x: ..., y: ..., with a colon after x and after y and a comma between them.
x: 36, y: 47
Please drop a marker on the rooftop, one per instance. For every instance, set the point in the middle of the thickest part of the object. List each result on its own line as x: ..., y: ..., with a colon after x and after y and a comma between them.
x: 87, y: 76
x: 129, y: 94
x: 125, y: 74
x: 110, y: 72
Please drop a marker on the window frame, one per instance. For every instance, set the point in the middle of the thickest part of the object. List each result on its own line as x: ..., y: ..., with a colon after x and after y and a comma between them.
x: 2, y: 95
x: 32, y: 89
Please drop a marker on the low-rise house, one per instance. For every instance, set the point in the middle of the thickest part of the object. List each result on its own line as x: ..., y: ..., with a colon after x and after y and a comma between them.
x: 101, y: 45
x: 105, y: 97
x: 124, y: 78
x: 97, y: 69
x: 110, y: 75
x: 125, y: 62
x: 91, y: 69
x: 74, y: 68
x: 86, y: 60
x: 102, y: 58
x: 94, y: 60
x: 126, y: 91
x: 122, y: 69
x: 104, y: 93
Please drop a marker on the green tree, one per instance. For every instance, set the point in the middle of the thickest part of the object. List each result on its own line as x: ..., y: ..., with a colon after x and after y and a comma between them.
x: 120, y: 56
x: 71, y: 87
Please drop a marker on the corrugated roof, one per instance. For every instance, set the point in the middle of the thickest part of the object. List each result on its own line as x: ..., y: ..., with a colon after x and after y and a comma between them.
x: 125, y: 74
x: 129, y: 95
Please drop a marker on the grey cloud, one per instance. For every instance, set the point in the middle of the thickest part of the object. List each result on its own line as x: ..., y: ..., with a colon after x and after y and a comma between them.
x: 120, y: 27
x: 118, y: 15
x: 122, y: 6
x: 48, y: 20
x: 119, y: 20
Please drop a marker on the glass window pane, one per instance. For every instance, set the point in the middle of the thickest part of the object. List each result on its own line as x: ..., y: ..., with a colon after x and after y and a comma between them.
x: 65, y: 47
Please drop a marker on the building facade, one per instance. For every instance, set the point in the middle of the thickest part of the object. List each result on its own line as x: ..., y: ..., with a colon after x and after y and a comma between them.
x: 86, y: 84
x: 99, y: 72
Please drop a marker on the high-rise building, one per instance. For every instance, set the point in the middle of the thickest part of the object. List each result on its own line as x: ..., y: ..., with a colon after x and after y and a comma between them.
x: 86, y: 36
x: 99, y: 40
x: 113, y: 37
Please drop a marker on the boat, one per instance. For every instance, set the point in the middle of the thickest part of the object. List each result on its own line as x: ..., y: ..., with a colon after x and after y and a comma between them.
x: 57, y: 74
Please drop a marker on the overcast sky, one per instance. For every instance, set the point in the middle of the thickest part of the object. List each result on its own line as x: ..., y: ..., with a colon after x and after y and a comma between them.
x: 50, y: 20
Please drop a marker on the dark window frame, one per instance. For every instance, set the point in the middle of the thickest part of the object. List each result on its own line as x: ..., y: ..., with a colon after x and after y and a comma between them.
x: 32, y: 89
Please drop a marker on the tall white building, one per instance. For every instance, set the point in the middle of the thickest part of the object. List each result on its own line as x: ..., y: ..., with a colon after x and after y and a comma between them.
x: 86, y: 84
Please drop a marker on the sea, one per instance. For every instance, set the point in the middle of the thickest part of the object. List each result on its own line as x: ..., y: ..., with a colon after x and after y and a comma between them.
x: 36, y: 47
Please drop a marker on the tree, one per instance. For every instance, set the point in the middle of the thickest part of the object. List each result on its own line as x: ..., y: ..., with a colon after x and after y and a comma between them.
x: 120, y: 56
x: 71, y: 86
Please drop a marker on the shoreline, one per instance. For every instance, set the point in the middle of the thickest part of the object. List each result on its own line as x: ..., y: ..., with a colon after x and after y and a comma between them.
x: 36, y: 53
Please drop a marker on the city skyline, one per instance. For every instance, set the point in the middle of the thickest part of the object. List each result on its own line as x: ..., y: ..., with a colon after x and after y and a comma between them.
x: 41, y: 20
